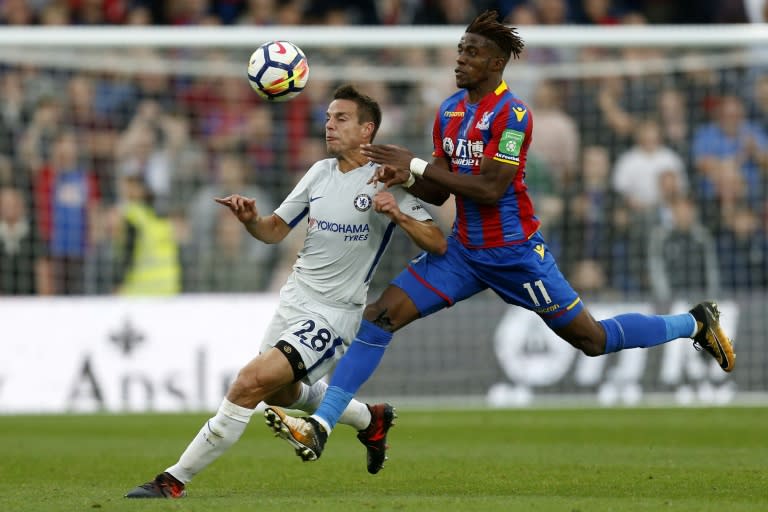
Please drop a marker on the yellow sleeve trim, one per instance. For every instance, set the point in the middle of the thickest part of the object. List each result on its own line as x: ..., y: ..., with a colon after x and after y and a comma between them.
x: 573, y: 304
x: 506, y: 161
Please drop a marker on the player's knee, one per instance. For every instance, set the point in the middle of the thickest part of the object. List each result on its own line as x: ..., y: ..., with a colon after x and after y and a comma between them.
x: 372, y: 311
x: 589, y: 346
x: 252, y: 383
x: 592, y: 349
x: 381, y: 316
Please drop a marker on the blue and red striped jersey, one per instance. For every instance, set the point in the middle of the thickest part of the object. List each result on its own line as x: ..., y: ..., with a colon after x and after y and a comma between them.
x: 500, y: 127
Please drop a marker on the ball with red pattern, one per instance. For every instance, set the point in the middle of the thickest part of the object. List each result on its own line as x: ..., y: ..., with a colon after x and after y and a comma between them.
x: 278, y: 70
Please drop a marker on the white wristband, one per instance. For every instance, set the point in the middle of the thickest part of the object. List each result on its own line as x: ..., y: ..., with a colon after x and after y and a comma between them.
x: 417, y: 166
x: 410, y: 181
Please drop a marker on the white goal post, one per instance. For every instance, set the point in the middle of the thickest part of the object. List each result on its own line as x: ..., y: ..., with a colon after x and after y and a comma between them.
x: 380, y: 37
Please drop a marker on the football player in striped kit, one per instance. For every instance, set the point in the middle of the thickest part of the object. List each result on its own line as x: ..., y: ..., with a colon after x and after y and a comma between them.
x: 481, y: 137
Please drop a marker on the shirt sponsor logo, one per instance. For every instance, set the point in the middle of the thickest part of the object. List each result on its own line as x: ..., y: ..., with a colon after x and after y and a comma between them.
x: 466, y: 152
x: 448, y: 146
x: 336, y: 227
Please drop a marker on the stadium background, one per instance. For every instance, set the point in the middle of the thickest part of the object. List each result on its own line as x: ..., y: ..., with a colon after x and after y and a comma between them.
x: 649, y: 230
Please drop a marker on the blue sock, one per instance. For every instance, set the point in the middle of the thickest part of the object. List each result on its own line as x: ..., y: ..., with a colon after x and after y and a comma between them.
x: 357, y: 365
x: 633, y: 330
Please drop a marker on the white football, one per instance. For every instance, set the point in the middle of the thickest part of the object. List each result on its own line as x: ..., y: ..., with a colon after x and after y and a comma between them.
x: 278, y: 70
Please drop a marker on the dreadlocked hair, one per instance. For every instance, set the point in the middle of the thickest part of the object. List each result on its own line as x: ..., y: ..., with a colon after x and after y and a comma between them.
x: 487, y: 24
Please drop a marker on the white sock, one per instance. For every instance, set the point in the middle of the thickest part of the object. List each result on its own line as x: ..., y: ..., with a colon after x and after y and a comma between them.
x: 356, y: 414
x: 695, y: 326
x: 218, y: 434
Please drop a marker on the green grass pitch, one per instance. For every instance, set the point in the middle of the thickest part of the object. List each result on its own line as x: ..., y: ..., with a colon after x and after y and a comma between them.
x: 530, y: 460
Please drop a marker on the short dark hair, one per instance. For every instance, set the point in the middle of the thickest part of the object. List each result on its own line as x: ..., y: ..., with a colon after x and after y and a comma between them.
x: 487, y: 24
x: 368, y: 109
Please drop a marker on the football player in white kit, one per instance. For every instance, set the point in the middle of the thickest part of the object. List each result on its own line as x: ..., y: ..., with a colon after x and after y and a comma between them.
x: 349, y: 224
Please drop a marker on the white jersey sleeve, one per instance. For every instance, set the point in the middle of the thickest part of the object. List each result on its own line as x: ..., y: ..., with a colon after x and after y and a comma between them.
x: 346, y: 237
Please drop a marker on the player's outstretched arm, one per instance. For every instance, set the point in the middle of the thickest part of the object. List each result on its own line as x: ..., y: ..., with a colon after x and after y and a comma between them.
x: 426, y: 234
x: 270, y: 230
x: 485, y: 188
x: 394, y: 170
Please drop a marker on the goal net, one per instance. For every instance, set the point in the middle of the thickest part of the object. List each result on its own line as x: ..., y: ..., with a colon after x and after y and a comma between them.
x: 648, y: 169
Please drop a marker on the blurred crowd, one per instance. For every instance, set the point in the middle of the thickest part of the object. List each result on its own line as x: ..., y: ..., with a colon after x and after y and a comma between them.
x: 365, y: 12
x: 646, y: 182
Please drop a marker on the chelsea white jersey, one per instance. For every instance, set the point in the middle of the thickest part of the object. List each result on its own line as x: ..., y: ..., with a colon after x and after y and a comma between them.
x: 346, y: 237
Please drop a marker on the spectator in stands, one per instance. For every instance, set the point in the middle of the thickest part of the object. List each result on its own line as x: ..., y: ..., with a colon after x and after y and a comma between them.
x: 675, y: 123
x: 670, y: 188
x: 598, y: 12
x: 148, y: 249
x: 683, y: 258
x: 615, y: 119
x: 229, y: 264
x: 224, y: 120
x: 520, y: 15
x: 589, y: 276
x: 12, y: 112
x: 730, y: 194
x: 101, y: 260
x: 585, y: 224
x: 290, y: 12
x: 556, y: 138
x: 138, y: 15
x: 98, y: 12
x: 189, y: 160
x: 259, y: 12
x: 35, y: 144
x: 551, y: 12
x: 342, y: 12
x: 743, y: 252
x: 758, y: 111
x: 730, y: 136
x: 703, y: 87
x: 66, y: 200
x: 257, y: 140
x: 189, y: 12
x: 16, y: 12
x: 96, y: 132
x: 153, y: 82
x: 149, y: 147
x: 627, y: 248
x: 637, y: 173
x: 396, y: 12
x: 232, y: 174
x: 21, y: 267
x: 444, y: 12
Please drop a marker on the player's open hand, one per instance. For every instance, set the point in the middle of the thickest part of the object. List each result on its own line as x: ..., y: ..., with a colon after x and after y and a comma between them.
x: 242, y: 207
x: 387, y: 154
x: 385, y: 202
x: 389, y: 176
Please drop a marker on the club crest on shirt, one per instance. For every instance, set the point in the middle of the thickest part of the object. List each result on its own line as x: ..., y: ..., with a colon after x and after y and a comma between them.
x: 485, y: 122
x: 363, y: 202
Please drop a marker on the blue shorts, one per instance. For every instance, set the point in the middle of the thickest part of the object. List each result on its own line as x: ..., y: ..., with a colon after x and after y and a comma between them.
x: 525, y: 275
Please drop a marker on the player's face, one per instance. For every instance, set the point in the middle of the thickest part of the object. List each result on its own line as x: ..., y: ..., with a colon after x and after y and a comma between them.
x: 474, y: 60
x: 343, y: 132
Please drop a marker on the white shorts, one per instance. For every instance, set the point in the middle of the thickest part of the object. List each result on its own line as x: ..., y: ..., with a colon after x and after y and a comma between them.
x: 313, y: 335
